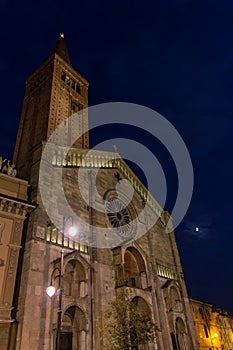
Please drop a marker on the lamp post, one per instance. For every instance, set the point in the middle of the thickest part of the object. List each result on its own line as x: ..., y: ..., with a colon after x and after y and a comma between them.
x: 51, y: 289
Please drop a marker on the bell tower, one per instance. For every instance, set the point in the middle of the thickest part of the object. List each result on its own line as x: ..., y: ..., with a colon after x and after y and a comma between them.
x: 53, y: 93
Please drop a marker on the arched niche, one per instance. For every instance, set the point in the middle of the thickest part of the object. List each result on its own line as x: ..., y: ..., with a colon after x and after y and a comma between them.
x: 144, y: 310
x: 181, y: 335
x: 143, y: 307
x: 74, y: 279
x: 175, y: 299
x: 135, y: 268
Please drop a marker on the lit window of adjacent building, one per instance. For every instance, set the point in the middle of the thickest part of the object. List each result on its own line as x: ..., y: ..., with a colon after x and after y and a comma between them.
x: 206, y: 331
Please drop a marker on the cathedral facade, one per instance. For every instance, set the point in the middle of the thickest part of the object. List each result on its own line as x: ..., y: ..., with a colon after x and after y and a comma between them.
x: 93, y: 274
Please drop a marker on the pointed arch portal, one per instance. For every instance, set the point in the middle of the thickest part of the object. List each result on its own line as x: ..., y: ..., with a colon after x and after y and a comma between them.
x: 73, y: 336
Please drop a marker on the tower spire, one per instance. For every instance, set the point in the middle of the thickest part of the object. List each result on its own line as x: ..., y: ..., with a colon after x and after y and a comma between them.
x: 61, y: 49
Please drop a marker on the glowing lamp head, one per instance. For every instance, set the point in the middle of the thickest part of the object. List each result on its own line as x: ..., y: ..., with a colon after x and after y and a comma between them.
x: 50, y: 291
x: 215, y: 335
x: 72, y: 231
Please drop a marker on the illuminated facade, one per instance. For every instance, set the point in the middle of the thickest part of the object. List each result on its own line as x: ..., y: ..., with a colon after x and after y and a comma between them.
x: 214, y: 328
x: 149, y: 265
x: 13, y: 209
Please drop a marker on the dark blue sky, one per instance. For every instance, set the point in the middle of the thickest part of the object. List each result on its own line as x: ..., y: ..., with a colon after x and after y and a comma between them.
x: 172, y: 56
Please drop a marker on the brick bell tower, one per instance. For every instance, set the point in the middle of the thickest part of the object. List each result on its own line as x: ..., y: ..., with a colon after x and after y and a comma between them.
x: 148, y: 267
x: 53, y: 93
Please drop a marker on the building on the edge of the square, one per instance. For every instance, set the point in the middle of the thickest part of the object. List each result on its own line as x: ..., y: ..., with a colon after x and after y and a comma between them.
x: 214, y: 328
x: 14, y: 206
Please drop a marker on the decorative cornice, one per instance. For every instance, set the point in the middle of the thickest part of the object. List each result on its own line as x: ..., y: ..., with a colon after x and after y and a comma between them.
x: 3, y: 321
x: 12, y: 206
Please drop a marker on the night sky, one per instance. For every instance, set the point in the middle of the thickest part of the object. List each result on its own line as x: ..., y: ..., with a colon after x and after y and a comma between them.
x: 172, y: 56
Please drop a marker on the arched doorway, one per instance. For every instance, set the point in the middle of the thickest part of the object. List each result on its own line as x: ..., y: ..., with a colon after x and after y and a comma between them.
x: 73, y: 336
x: 180, y: 334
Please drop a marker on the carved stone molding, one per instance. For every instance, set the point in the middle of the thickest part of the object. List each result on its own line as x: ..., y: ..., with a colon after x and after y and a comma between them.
x: 17, y: 233
x: 15, y: 207
x: 40, y: 232
x: 2, y: 224
x: 11, y: 266
x: 12, y: 262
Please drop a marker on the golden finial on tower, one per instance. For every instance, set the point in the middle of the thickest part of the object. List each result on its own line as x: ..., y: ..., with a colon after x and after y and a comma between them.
x: 62, y: 35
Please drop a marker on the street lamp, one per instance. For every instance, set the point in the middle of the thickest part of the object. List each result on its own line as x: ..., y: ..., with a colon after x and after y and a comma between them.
x: 50, y: 291
x: 72, y: 230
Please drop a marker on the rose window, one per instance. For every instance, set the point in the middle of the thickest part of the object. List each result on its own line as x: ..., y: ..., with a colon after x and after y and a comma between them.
x: 119, y: 217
